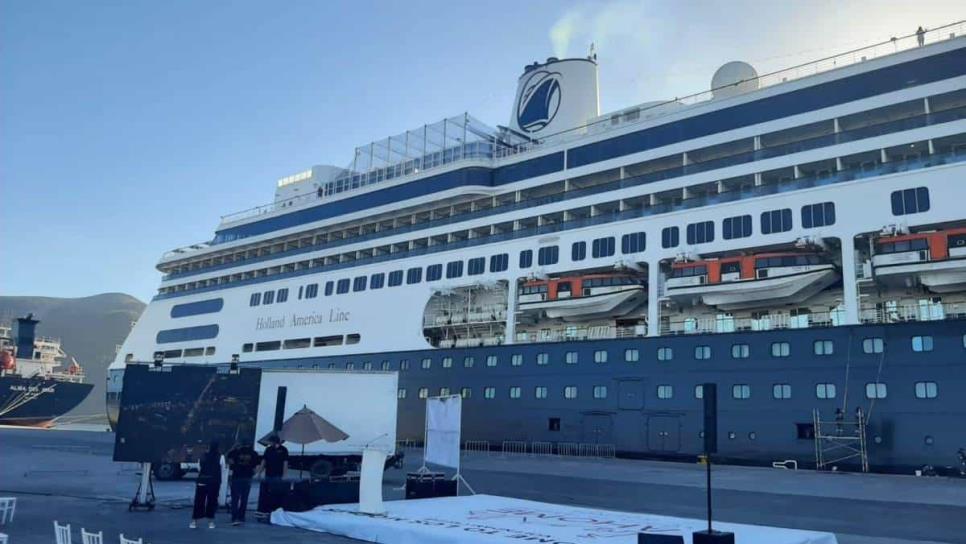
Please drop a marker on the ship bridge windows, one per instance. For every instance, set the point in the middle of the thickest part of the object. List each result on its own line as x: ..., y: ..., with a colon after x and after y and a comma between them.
x: 700, y: 233
x: 602, y: 247
x: 669, y: 237
x: 909, y: 201
x: 736, y: 227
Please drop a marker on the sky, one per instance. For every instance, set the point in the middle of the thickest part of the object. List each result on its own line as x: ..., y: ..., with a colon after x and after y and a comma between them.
x: 128, y: 128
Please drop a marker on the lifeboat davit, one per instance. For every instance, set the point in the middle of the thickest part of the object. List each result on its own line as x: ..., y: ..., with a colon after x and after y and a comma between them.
x: 737, y: 283
x: 582, y: 298
x: 936, y: 260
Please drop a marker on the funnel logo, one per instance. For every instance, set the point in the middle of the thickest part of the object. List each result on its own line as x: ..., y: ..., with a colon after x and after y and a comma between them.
x: 539, y: 101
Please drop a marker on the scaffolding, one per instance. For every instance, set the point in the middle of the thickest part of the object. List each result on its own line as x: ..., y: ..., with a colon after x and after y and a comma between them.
x: 840, y: 440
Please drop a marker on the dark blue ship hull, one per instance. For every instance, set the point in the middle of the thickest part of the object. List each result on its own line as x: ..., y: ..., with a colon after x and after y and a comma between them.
x: 38, y: 401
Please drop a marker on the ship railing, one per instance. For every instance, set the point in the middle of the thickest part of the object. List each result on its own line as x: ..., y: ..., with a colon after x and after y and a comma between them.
x: 653, y: 112
x: 725, y: 323
x: 599, y: 332
x: 926, y: 310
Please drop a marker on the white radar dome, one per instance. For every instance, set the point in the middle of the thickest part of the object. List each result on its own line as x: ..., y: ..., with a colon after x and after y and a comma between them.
x: 734, y: 78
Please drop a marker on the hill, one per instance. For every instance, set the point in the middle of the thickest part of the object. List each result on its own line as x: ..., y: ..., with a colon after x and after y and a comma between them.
x: 90, y: 328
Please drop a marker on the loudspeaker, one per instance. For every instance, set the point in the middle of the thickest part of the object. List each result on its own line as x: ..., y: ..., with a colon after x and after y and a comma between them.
x: 713, y: 537
x: 279, y: 408
x: 710, y: 393
x: 645, y: 538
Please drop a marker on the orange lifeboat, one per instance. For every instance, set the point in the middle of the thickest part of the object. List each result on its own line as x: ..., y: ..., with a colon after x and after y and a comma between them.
x: 583, y: 297
x: 937, y: 260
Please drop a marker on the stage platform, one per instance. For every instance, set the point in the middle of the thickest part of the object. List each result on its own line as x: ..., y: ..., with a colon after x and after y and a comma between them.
x: 489, y: 519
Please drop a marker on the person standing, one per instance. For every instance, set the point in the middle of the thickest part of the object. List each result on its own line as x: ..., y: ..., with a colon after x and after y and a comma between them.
x: 275, y: 459
x: 921, y: 36
x: 242, y: 460
x: 206, y: 487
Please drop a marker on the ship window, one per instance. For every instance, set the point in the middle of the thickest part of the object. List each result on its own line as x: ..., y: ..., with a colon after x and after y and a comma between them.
x: 922, y: 343
x: 359, y: 283
x: 395, y: 278
x: 401, y: 393
x: 924, y: 390
x: 367, y: 365
x: 194, y: 352
x: 404, y: 364
x: 633, y: 243
x: 570, y: 357
x: 330, y: 366
x: 342, y: 286
x: 466, y: 392
x: 210, y: 350
x: 414, y: 275
x: 741, y: 391
x: 526, y: 258
x: 186, y: 334
x: 515, y: 392
x: 427, y: 363
x: 268, y: 346
x: 736, y: 227
x: 805, y: 431
x: 699, y: 391
x: 255, y: 299
x: 600, y: 391
x: 376, y: 280
x: 824, y: 347
x: 781, y: 391
x: 454, y: 269
x: 499, y: 263
x: 602, y: 247
x: 540, y: 392
x: 780, y: 349
x: 200, y: 307
x: 729, y: 268
x: 476, y: 266
x: 491, y: 360
x: 329, y: 288
x: 632, y: 355
x: 423, y: 392
x: 247, y: 348
x: 281, y: 296
x: 669, y: 237
x: 875, y: 390
x: 570, y: 392
x: 489, y: 392
x: 600, y: 356
x: 578, y: 251
x: 268, y: 297
x: 434, y: 272
x: 872, y: 345
x: 553, y: 423
x: 516, y: 360
x: 825, y: 390
x: 665, y: 354
x: 322, y: 341
x: 910, y: 201
x: 700, y: 233
x: 702, y: 352
x: 775, y: 221
x: 468, y: 362
x: 689, y: 271
x: 818, y: 215
x: 172, y: 354
x: 385, y: 365
x: 350, y: 366
x: 543, y: 358
x: 444, y: 391
x: 665, y: 391
x: 312, y: 290
x: 297, y: 343
x: 352, y: 338
x: 548, y: 255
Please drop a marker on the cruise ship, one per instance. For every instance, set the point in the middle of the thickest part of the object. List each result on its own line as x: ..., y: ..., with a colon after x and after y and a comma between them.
x: 797, y: 238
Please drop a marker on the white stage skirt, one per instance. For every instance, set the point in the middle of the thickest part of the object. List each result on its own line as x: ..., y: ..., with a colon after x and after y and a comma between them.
x: 487, y: 519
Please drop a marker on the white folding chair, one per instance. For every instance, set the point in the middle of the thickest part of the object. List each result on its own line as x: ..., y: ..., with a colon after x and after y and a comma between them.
x: 62, y: 532
x: 126, y: 540
x: 7, y: 507
x: 92, y: 538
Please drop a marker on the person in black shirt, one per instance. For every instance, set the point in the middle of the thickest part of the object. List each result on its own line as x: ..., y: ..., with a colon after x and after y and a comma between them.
x: 275, y: 459
x: 242, y: 460
x: 206, y: 487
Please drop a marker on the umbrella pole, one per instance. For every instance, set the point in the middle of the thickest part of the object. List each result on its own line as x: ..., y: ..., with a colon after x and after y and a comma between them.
x: 303, y: 461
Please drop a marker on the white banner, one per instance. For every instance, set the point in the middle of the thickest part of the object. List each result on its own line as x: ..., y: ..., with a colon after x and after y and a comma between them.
x: 485, y: 519
x: 443, y: 421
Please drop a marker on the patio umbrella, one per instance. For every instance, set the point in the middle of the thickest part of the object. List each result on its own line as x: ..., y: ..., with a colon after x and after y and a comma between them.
x: 306, y: 427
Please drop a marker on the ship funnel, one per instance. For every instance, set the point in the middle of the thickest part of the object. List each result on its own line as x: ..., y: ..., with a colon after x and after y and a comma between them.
x: 556, y: 96
x: 24, y: 335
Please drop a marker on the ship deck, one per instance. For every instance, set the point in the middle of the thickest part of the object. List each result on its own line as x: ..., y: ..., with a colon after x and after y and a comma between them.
x: 69, y: 476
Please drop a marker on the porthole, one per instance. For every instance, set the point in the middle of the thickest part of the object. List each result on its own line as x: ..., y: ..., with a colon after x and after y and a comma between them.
x: 752, y: 435
x: 928, y: 440
x: 877, y: 439
x: 731, y: 435
x: 701, y: 434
